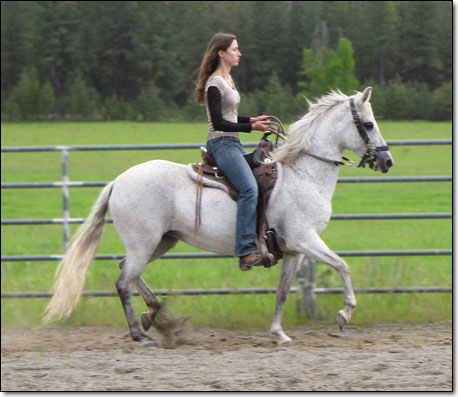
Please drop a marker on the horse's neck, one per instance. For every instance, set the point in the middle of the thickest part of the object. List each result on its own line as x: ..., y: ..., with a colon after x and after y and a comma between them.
x: 324, y: 174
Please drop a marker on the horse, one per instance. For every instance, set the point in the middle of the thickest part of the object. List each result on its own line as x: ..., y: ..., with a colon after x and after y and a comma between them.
x: 152, y: 207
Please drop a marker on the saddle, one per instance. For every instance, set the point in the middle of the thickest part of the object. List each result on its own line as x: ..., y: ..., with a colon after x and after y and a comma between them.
x: 266, y: 176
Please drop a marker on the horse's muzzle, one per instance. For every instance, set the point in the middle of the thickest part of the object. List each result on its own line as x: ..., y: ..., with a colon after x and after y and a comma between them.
x: 384, y: 161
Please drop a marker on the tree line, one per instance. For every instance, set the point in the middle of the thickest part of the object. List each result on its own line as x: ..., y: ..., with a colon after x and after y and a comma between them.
x: 137, y: 60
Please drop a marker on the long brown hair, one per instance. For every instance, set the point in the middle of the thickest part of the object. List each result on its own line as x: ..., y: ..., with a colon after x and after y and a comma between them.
x: 220, y: 41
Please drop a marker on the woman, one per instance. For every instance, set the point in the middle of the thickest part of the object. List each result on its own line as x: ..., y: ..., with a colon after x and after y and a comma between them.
x: 215, y: 88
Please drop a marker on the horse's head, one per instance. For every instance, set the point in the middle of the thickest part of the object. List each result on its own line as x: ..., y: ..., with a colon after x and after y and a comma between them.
x: 364, y: 136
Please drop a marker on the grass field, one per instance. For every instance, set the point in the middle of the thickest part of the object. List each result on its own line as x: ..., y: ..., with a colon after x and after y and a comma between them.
x: 235, y: 310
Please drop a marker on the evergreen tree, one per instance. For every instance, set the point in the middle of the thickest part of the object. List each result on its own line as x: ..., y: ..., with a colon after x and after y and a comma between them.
x: 82, y: 100
x: 26, y: 95
x: 420, y: 56
x: 150, y: 105
x: 328, y: 70
x: 47, y: 100
x: 347, y: 81
x: 118, y: 48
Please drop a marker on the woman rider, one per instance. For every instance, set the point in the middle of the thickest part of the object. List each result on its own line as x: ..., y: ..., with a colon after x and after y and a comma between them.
x: 215, y: 88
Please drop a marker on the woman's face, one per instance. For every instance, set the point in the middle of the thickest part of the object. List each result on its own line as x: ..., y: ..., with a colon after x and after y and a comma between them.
x: 232, y: 55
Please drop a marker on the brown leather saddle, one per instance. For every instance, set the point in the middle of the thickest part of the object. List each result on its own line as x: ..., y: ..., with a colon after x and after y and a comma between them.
x: 266, y: 176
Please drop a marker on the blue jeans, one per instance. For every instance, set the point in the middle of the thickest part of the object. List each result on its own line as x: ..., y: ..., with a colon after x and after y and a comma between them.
x: 229, y: 155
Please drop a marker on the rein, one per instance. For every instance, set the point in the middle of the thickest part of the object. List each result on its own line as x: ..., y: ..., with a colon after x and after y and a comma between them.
x: 369, y: 156
x: 276, y: 128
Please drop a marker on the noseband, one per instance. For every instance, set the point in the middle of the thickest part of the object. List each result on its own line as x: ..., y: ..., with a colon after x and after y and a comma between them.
x: 369, y: 156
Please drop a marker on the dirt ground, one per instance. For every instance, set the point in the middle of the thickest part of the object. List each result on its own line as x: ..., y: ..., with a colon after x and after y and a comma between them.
x: 385, y: 357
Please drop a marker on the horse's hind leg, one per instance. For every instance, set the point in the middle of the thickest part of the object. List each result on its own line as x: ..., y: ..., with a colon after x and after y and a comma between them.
x: 150, y: 299
x: 288, y: 271
x: 132, y: 268
x: 152, y: 302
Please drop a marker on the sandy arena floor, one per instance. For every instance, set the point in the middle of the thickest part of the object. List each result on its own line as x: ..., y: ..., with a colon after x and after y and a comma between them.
x: 386, y: 357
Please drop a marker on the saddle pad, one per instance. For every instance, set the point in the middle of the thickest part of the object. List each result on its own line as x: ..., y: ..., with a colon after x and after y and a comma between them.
x: 212, y: 181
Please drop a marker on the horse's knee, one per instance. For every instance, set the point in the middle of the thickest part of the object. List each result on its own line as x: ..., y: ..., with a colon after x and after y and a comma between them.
x: 343, y: 268
x: 350, y: 302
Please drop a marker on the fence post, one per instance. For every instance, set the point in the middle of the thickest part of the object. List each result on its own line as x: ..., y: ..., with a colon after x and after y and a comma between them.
x: 309, y: 288
x: 301, y: 283
x: 66, y: 212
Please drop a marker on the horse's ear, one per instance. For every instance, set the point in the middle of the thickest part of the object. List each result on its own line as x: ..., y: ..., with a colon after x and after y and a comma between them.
x: 366, y: 95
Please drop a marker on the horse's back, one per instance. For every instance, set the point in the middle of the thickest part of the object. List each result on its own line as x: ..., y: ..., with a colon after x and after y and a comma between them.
x: 149, y: 171
x: 147, y: 189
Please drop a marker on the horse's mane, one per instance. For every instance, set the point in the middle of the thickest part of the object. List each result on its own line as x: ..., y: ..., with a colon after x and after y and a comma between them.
x: 300, y: 133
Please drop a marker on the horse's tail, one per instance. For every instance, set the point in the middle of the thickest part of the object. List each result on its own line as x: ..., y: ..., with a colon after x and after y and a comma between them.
x: 71, y: 273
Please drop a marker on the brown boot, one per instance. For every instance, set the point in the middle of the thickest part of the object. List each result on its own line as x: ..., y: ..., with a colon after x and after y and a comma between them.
x: 248, y: 261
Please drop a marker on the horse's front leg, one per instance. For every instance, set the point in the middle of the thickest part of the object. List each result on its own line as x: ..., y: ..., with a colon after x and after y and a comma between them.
x: 288, y: 271
x: 313, y: 247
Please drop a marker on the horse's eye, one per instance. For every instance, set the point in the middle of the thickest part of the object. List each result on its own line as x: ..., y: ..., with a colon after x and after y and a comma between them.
x: 369, y: 125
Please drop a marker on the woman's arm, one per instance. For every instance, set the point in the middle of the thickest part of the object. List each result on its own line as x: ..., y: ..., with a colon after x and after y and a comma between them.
x: 219, y: 123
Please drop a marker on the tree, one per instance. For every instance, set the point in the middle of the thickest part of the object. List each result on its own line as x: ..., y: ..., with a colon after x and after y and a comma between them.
x: 18, y: 19
x: 118, y: 48
x: 150, y: 105
x: 26, y: 95
x: 329, y: 69
x: 47, y: 100
x: 420, y: 56
x: 347, y: 80
x: 82, y: 100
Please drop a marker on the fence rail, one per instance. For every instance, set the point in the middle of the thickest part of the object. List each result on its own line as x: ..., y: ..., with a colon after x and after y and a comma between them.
x: 210, y: 255
x: 6, y: 149
x: 238, y: 291
x: 306, y: 274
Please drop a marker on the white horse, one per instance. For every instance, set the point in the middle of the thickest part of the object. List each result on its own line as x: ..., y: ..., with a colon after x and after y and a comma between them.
x: 153, y: 206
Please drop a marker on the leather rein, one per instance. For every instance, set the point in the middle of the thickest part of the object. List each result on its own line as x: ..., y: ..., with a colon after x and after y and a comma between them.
x: 369, y: 156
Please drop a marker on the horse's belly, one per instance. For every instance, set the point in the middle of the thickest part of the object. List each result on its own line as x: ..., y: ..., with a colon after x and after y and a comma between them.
x: 218, y: 214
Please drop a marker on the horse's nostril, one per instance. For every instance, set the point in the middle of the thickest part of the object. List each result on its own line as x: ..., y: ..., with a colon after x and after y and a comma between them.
x: 389, y: 163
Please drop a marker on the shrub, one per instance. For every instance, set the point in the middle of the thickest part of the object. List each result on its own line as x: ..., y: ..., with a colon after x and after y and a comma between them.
x: 82, y: 102
x: 150, y: 105
x: 47, y: 100
x: 442, y: 102
x: 25, y: 97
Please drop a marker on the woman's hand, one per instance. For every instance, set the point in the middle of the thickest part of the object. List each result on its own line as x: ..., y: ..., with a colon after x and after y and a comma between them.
x: 260, y: 123
x: 259, y: 118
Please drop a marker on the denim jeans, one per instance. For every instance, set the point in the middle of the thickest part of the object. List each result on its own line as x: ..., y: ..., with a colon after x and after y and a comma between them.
x: 229, y: 155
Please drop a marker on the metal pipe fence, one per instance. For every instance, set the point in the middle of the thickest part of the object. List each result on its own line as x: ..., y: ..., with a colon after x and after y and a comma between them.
x: 306, y: 274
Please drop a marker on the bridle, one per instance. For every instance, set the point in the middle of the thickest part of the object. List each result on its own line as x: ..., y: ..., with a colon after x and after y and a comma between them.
x: 370, y: 156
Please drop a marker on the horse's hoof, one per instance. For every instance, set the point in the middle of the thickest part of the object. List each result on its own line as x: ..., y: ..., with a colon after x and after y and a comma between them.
x: 284, y: 340
x: 342, y: 319
x: 146, y: 320
x: 148, y: 342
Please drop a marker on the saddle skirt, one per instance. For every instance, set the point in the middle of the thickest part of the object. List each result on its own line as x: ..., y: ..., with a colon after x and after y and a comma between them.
x: 208, y: 174
x: 212, y: 177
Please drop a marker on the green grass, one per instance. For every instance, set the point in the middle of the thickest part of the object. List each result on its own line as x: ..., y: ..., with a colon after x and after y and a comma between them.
x: 236, y: 310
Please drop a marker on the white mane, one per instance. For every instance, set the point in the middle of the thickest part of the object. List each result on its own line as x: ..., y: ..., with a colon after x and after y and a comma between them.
x: 301, y: 132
